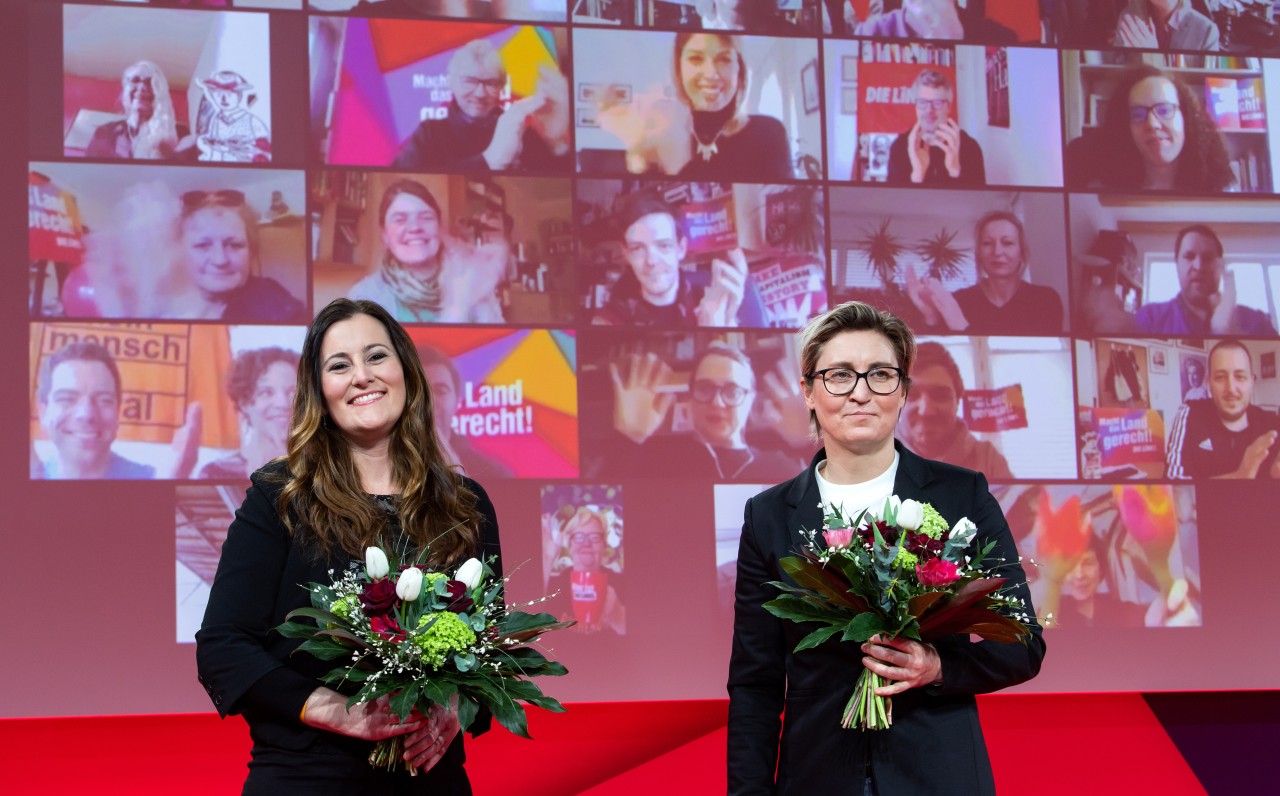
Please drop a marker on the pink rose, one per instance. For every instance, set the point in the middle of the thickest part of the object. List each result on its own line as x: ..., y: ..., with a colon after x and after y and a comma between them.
x: 838, y: 537
x: 937, y: 573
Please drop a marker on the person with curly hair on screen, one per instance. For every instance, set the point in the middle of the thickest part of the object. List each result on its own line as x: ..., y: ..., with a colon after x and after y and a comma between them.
x: 1156, y: 136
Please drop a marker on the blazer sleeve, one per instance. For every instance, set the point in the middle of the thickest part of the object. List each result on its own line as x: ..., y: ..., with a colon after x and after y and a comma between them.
x: 231, y: 645
x: 985, y: 666
x: 757, y: 670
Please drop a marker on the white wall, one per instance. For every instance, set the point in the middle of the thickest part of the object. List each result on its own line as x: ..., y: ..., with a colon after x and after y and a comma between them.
x: 1029, y: 151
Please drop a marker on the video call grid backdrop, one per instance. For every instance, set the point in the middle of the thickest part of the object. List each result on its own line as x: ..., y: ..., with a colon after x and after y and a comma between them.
x: 679, y: 538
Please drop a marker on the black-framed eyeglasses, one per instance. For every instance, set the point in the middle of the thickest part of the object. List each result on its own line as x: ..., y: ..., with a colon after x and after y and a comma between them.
x: 1164, y: 111
x: 705, y: 391
x: 883, y: 380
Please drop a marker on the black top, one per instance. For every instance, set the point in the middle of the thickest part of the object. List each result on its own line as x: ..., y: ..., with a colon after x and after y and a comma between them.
x: 263, y: 300
x: 759, y: 151
x: 249, y: 669
x: 1200, y: 446
x: 1034, y: 309
x: 973, y: 168
x: 785, y: 707
x: 697, y: 461
x: 457, y: 143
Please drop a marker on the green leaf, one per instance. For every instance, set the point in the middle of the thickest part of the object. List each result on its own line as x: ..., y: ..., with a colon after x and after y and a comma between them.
x: 468, y: 709
x: 817, y: 637
x: 402, y: 702
x: 320, y: 615
x: 797, y: 609
x: 296, y: 630
x: 810, y: 574
x: 863, y: 627
x: 324, y: 650
x: 465, y: 661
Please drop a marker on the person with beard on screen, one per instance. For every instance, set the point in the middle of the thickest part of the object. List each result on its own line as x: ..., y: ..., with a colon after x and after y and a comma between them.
x: 931, y: 426
x: 1225, y: 435
x: 478, y: 134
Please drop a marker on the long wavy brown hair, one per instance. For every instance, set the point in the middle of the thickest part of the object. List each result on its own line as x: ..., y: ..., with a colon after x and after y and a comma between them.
x: 323, y: 497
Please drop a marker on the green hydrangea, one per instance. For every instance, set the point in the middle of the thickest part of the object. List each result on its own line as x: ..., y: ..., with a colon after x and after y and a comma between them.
x: 429, y: 579
x: 933, y: 526
x: 906, y: 560
x: 447, y: 634
x: 343, y: 605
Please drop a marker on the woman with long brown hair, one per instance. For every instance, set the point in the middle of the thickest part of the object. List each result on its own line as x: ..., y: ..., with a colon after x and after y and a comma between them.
x: 364, y: 467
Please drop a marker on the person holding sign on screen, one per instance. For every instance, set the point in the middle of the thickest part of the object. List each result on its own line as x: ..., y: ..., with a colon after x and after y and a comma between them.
x: 478, y: 134
x: 655, y: 291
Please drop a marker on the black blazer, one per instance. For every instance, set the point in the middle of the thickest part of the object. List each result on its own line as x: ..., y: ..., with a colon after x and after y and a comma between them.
x: 249, y: 669
x: 935, y: 745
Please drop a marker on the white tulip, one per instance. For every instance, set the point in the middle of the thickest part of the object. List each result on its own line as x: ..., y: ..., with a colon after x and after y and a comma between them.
x: 964, y: 529
x: 375, y: 563
x: 470, y: 573
x: 910, y: 515
x: 409, y: 584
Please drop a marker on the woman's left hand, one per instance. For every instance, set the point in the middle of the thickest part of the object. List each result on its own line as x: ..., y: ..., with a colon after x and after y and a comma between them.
x: 424, y: 747
x: 909, y: 663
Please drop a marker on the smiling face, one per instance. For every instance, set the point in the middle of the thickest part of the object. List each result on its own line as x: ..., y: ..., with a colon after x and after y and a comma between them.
x: 709, y: 72
x: 270, y: 410
x: 587, y: 545
x: 224, y: 99
x: 1230, y: 382
x: 362, y: 380
x: 1159, y: 141
x: 216, y: 248
x: 139, y: 93
x: 477, y: 86
x: 654, y: 249
x: 999, y: 251
x: 931, y: 411
x: 81, y: 414
x: 717, y: 422
x: 1199, y: 270
x: 861, y: 422
x: 411, y: 230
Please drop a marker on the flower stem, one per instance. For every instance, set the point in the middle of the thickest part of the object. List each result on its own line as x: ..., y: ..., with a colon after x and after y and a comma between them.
x: 865, y: 709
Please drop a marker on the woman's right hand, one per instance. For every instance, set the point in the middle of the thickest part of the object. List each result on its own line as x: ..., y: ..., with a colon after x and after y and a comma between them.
x: 467, y: 280
x: 638, y: 407
x: 921, y: 300
x: 654, y: 130
x: 326, y: 709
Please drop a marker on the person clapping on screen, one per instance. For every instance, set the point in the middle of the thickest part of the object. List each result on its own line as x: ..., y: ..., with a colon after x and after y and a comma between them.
x: 478, y: 134
x: 935, y: 19
x: 425, y: 276
x: 363, y: 468
x: 260, y: 383
x: 1206, y: 302
x: 150, y: 128
x: 655, y: 290
x: 723, y: 391
x: 1165, y: 25
x: 1225, y: 435
x: 79, y: 395
x: 706, y: 132
x: 1155, y: 135
x: 1001, y: 301
x: 935, y: 151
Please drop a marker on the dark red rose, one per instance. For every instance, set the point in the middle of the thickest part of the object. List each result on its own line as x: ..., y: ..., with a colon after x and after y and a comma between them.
x: 887, y: 532
x: 379, y: 597
x: 459, y: 602
x: 387, y: 627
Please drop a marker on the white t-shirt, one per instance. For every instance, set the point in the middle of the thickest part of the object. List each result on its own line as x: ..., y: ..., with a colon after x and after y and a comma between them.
x: 853, y: 498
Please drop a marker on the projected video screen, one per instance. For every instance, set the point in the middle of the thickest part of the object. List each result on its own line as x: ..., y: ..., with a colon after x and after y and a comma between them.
x: 603, y: 223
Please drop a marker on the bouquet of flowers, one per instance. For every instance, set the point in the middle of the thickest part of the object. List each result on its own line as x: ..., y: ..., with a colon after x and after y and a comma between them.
x: 901, y: 573
x: 425, y: 638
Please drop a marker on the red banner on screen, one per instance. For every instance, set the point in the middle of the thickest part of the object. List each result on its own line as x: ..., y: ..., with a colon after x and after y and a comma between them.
x: 886, y: 102
x: 711, y: 225
x: 53, y: 222
x: 995, y: 410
